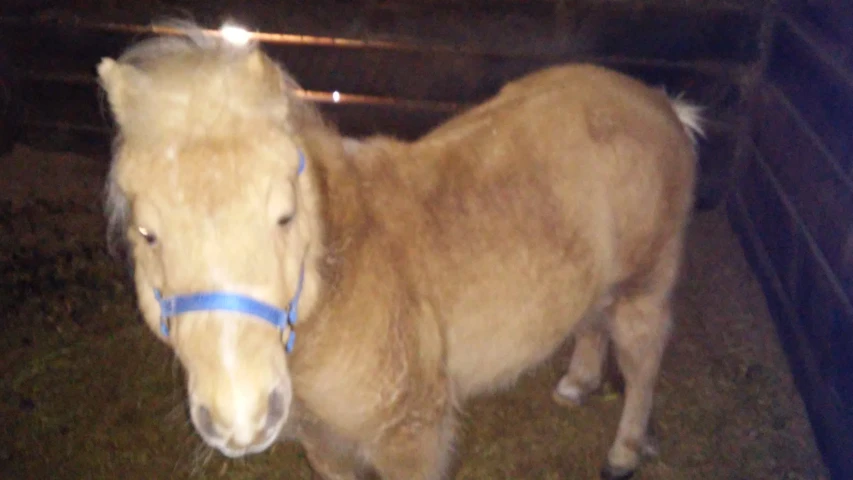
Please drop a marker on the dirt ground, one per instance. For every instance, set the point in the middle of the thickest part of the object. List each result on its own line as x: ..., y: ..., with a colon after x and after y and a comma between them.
x: 87, y: 392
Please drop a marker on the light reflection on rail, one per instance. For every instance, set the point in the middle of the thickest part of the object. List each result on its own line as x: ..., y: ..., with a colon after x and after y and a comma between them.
x: 335, y: 97
x: 411, y: 45
x: 276, y: 38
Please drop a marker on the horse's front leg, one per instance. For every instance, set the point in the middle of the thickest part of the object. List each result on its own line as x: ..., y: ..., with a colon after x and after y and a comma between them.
x: 330, y: 457
x: 416, y: 451
x: 327, y: 465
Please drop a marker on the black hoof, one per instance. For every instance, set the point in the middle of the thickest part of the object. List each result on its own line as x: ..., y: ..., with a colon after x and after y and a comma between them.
x: 613, y: 473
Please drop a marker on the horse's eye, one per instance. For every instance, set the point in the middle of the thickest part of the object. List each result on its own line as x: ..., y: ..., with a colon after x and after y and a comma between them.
x: 147, y: 235
x: 284, y: 220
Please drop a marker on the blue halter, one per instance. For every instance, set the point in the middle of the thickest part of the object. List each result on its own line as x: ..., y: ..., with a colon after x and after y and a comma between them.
x: 283, y: 319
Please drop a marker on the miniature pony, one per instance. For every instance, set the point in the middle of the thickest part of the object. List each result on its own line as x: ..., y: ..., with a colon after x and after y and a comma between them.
x: 352, y: 294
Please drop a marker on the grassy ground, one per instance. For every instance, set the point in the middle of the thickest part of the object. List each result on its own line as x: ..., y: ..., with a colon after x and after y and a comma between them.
x: 87, y: 392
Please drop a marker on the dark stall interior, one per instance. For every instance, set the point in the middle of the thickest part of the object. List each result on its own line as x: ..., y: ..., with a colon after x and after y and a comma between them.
x: 758, y: 381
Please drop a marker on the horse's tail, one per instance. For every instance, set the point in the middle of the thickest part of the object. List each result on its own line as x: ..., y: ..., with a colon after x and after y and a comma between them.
x: 690, y: 116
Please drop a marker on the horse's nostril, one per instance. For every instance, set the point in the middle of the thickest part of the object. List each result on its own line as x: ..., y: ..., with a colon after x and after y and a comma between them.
x: 275, y: 411
x: 204, y: 422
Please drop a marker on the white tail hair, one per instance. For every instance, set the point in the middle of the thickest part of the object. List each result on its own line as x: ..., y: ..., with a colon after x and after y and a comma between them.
x: 690, y: 116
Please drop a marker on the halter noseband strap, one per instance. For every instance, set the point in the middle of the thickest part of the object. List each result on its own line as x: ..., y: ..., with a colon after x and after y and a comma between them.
x: 283, y: 319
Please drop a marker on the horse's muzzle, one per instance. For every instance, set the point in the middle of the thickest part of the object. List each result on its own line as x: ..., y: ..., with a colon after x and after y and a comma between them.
x: 242, y: 438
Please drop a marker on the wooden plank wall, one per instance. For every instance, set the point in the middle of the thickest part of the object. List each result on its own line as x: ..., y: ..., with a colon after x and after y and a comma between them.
x: 793, y: 209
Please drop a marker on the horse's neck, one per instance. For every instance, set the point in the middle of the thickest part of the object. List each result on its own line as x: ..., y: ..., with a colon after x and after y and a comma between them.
x: 346, y: 182
x: 324, y: 328
x: 336, y: 198
x: 366, y: 294
x: 351, y: 173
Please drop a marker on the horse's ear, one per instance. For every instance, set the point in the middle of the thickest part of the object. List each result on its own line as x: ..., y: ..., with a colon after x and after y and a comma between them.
x: 256, y: 64
x: 262, y: 69
x: 116, y: 79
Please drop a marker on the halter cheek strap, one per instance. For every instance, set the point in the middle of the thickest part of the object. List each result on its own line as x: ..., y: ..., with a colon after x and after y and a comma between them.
x: 301, y: 167
x: 283, y: 319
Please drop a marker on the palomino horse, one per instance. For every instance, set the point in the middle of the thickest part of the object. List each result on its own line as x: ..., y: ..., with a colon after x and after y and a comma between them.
x: 353, y: 294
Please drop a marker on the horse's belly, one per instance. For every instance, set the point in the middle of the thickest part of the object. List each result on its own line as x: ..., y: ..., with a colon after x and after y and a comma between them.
x: 496, y: 361
x: 488, y: 347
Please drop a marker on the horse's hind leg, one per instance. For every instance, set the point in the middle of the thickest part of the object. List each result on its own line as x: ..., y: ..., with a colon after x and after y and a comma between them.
x: 639, y: 328
x: 585, y: 369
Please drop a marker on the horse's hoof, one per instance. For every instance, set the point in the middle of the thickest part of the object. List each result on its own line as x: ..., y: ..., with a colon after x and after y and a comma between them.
x: 630, y: 456
x: 610, y: 472
x: 570, y: 394
x: 567, y: 401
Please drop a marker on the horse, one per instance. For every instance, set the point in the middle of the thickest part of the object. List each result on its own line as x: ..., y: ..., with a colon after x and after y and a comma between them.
x: 353, y: 293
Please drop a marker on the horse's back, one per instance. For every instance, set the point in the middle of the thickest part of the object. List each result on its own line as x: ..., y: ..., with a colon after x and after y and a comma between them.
x: 601, y: 140
x: 568, y: 182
